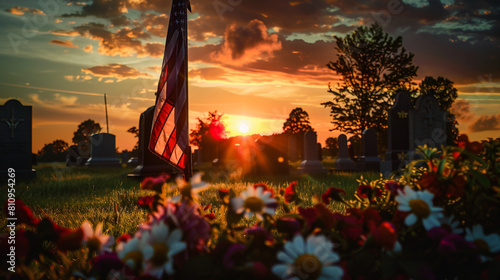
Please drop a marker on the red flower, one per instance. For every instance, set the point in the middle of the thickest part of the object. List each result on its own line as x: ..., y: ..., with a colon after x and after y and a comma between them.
x: 154, y: 183
x: 308, y: 214
x: 70, y: 241
x: 393, y: 187
x: 429, y: 181
x: 385, y: 235
x: 290, y: 194
x: 22, y: 212
x: 145, y: 202
x: 334, y: 194
x: 123, y: 238
x: 364, y: 191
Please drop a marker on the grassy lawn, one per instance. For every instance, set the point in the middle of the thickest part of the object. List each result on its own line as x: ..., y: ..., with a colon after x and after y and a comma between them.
x: 71, y: 195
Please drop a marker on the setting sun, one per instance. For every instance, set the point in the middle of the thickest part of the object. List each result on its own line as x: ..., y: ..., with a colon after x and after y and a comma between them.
x: 244, y: 128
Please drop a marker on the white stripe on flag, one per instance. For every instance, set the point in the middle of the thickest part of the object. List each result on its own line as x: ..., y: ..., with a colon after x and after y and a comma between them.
x: 176, y: 154
x: 164, y: 135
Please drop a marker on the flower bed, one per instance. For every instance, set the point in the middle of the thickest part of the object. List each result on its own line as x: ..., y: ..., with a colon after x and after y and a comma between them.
x: 440, y: 220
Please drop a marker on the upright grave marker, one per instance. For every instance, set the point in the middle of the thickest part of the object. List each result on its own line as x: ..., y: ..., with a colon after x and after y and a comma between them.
x: 369, y: 161
x: 311, y: 164
x: 16, y: 139
x: 149, y: 164
x: 427, y: 123
x: 343, y: 163
x: 398, y: 134
x: 103, y: 151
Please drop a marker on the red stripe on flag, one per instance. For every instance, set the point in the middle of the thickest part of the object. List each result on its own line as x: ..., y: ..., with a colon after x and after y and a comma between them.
x: 170, y: 145
x: 160, y: 123
x: 182, y: 161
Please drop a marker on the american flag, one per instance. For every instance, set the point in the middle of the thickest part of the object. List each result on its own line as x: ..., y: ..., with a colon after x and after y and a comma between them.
x: 169, y: 134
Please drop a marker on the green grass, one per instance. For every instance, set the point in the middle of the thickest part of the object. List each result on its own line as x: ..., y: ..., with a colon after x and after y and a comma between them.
x: 71, y: 195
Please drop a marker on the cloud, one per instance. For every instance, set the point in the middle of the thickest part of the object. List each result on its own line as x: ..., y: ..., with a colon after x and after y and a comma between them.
x: 88, y: 48
x: 486, y: 122
x: 244, y: 44
x: 16, y: 10
x: 115, y: 70
x: 461, y: 109
x: 107, y: 9
x: 65, y: 32
x: 125, y: 42
x: 66, y: 43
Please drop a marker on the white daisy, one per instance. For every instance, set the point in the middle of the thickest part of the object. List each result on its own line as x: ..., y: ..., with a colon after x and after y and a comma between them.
x: 310, y: 259
x: 159, y: 247
x: 130, y: 253
x: 486, y: 244
x: 452, y: 225
x: 95, y: 240
x: 419, y: 203
x: 254, y: 201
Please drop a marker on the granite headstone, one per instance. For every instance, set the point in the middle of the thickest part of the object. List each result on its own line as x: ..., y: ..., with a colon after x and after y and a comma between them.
x: 343, y: 162
x: 149, y: 163
x: 427, y: 123
x: 369, y: 161
x: 311, y: 163
x: 103, y: 151
x: 398, y: 133
x: 15, y: 140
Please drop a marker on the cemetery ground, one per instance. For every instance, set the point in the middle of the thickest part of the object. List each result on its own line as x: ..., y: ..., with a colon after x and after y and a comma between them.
x: 70, y: 195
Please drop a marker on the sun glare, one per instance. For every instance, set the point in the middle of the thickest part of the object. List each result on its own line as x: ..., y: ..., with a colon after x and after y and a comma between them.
x: 244, y: 128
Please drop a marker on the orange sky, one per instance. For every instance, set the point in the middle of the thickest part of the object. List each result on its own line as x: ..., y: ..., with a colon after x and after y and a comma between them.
x: 254, y: 62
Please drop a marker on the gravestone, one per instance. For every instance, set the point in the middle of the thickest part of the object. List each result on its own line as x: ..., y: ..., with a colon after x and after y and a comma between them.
x: 15, y: 140
x: 343, y: 163
x: 103, y: 151
x: 293, y: 153
x: 355, y: 147
x: 311, y: 164
x: 197, y: 157
x: 149, y: 164
x: 369, y: 161
x: 398, y: 134
x: 427, y: 123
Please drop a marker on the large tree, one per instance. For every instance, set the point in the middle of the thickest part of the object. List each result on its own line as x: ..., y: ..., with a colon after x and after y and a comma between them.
x: 209, y: 128
x: 372, y: 67
x: 298, y: 121
x: 134, y: 131
x: 445, y: 93
x: 81, y: 136
x: 85, y: 130
x: 55, y: 151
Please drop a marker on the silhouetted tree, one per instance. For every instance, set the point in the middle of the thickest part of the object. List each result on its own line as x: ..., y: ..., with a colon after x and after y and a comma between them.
x: 207, y: 132
x: 445, y: 93
x: 81, y: 136
x: 85, y: 129
x: 372, y: 67
x: 55, y: 151
x: 298, y: 121
x: 135, y: 131
x: 332, y: 146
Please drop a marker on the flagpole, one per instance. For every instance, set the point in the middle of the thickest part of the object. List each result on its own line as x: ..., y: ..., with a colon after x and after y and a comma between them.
x: 188, y: 171
x: 106, y: 107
